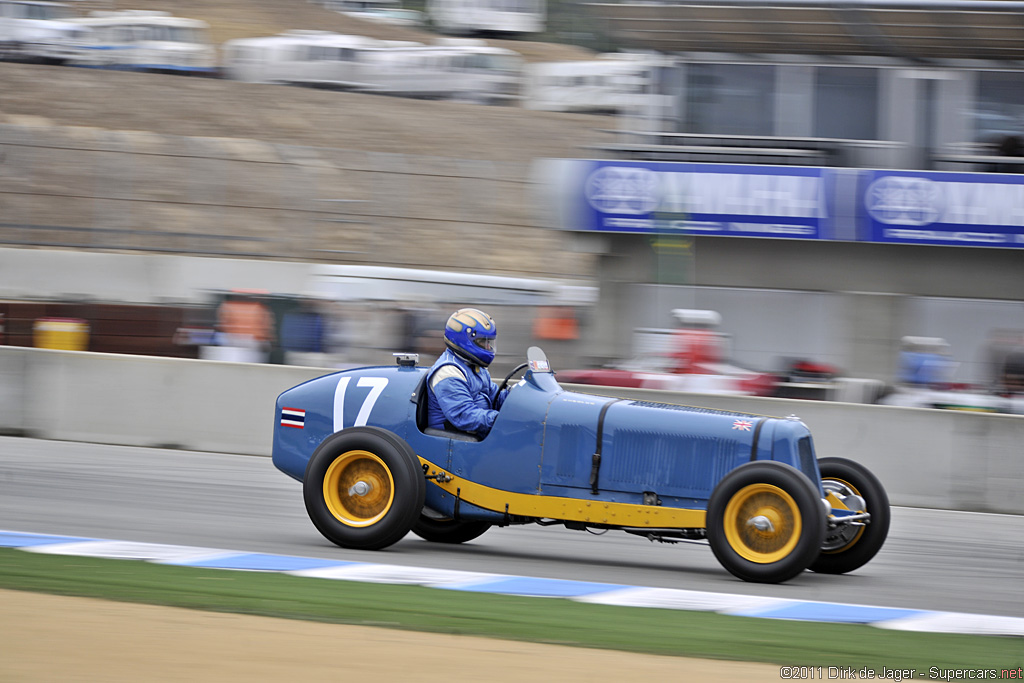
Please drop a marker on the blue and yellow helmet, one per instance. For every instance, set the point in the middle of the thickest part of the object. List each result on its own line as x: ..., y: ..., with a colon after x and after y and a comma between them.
x: 470, y: 334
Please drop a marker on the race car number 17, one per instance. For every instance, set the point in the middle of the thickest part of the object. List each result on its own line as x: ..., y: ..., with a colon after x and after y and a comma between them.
x: 376, y: 386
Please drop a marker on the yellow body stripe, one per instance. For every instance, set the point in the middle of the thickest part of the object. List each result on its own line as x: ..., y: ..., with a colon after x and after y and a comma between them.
x: 568, y: 509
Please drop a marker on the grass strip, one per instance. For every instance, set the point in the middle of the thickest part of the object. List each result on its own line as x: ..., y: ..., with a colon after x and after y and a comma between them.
x: 558, y: 621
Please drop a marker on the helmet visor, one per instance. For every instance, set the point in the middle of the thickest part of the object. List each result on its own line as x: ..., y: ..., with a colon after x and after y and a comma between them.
x: 485, y: 343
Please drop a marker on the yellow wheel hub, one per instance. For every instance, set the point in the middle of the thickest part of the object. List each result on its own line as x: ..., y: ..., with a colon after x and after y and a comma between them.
x: 762, y: 523
x: 358, y: 488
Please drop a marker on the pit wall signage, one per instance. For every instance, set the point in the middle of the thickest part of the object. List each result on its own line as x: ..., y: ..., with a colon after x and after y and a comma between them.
x: 975, y: 209
x: 967, y: 209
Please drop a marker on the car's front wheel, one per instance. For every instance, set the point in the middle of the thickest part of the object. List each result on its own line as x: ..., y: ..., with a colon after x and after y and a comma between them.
x: 363, y: 488
x: 850, y: 546
x: 765, y: 522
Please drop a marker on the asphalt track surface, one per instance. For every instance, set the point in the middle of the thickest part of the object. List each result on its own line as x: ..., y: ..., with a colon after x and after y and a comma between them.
x: 933, y: 559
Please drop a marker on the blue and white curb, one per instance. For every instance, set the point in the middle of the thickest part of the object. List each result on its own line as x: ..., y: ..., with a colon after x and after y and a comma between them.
x: 480, y: 582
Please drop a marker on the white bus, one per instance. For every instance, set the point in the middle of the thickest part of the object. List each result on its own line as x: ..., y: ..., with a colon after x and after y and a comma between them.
x: 463, y: 70
x: 32, y: 30
x: 516, y: 17
x: 299, y: 57
x: 614, y: 83
x: 467, y: 73
x: 138, y: 40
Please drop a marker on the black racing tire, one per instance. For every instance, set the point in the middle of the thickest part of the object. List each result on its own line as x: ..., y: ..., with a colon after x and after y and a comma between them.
x: 448, y: 530
x: 364, y: 488
x: 765, y: 522
x: 847, y: 547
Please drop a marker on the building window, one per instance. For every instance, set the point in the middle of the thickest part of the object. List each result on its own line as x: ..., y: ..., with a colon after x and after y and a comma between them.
x: 730, y: 99
x: 999, y: 112
x: 846, y: 103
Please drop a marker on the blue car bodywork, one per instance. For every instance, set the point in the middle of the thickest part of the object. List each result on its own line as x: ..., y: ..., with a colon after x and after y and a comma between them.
x: 584, y: 460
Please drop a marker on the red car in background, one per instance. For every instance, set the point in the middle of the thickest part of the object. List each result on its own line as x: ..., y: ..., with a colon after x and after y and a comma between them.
x: 694, y: 360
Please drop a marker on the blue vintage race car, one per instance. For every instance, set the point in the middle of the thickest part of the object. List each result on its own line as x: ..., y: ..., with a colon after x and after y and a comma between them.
x: 749, y: 484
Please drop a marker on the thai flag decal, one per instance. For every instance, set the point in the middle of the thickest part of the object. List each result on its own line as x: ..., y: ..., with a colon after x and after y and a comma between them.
x: 293, y: 417
x: 742, y: 425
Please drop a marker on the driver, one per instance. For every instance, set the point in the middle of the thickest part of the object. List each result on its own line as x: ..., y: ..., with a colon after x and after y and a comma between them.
x: 462, y: 395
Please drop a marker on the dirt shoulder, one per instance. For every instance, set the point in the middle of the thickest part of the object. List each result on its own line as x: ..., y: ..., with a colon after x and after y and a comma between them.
x: 55, y: 638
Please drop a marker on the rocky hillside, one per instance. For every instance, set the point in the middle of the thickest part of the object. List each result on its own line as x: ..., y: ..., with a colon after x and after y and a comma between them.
x: 73, y: 127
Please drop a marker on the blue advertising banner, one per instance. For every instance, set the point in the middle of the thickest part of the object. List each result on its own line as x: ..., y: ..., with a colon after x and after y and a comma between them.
x: 908, y: 207
x: 708, y: 199
x: 963, y: 209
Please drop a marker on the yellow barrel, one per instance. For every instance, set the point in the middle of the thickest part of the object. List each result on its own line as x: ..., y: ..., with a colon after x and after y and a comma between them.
x: 68, y: 334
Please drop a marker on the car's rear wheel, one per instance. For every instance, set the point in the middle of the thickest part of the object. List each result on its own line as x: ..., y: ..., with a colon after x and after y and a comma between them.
x: 765, y: 522
x: 848, y: 546
x: 363, y: 488
x: 448, y: 530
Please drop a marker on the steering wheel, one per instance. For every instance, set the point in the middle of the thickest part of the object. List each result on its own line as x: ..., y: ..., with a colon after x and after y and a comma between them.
x: 504, y: 382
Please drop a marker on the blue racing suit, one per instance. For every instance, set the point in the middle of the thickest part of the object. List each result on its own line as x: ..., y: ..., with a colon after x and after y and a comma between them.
x: 462, y: 395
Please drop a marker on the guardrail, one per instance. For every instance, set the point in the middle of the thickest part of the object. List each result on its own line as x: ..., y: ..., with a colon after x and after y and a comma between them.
x: 925, y: 458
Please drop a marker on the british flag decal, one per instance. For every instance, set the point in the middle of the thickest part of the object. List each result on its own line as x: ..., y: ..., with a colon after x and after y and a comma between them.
x: 293, y: 417
x: 742, y: 425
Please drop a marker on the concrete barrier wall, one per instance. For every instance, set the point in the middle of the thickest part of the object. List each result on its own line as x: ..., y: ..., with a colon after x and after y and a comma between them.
x: 927, y: 458
x: 142, y: 400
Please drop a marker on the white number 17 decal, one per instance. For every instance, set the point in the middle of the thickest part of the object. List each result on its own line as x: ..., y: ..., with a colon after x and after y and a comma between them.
x: 376, y: 385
